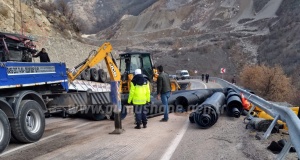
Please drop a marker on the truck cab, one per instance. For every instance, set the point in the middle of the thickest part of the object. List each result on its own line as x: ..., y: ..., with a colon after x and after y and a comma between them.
x: 182, y: 74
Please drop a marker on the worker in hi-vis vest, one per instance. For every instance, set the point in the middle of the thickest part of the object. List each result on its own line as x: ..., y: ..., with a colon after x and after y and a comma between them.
x: 139, y: 96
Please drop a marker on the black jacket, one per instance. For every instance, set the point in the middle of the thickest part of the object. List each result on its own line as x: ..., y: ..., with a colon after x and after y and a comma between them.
x: 43, y: 56
x: 139, y: 80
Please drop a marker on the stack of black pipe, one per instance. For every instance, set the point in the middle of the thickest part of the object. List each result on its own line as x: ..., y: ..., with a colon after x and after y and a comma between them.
x: 183, y: 100
x: 187, y: 99
x: 194, y: 97
x: 234, y: 103
x: 207, y: 114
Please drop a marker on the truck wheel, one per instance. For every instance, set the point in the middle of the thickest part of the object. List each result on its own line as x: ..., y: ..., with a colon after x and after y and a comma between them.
x: 4, y: 131
x: 94, y: 74
x: 86, y: 75
x: 79, y: 77
x: 102, y: 76
x: 30, y: 124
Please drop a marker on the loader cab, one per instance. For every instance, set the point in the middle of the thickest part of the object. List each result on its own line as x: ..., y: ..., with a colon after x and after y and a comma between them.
x: 129, y: 62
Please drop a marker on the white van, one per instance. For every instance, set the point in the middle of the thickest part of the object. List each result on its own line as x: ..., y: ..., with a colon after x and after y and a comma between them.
x: 182, y: 74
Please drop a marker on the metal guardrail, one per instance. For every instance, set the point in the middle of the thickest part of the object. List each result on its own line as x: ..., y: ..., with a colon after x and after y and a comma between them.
x: 277, y: 112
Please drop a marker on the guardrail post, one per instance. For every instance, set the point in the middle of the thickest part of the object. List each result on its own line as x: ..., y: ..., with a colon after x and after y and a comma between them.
x: 285, y: 150
x: 269, y: 130
x: 251, y: 110
x: 285, y: 114
x: 116, y: 102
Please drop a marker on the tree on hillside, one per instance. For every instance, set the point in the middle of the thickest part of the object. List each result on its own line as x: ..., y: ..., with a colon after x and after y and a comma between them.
x: 269, y: 82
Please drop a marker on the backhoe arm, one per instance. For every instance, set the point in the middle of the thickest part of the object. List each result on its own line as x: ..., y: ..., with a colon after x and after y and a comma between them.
x: 102, y: 54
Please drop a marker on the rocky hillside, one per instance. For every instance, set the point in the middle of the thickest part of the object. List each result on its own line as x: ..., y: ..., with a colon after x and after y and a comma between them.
x: 97, y: 15
x: 61, y: 45
x: 209, y: 34
x: 203, y: 35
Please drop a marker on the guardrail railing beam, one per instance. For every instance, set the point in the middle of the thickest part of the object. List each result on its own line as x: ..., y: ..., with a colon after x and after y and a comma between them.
x: 277, y: 112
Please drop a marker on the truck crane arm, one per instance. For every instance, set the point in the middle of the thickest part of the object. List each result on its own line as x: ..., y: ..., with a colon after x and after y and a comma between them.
x: 103, y: 53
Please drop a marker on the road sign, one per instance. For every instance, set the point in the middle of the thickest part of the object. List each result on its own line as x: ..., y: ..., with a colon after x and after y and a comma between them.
x: 223, y: 70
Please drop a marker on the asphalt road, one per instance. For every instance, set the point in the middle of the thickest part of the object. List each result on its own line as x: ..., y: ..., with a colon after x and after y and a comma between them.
x: 76, y: 138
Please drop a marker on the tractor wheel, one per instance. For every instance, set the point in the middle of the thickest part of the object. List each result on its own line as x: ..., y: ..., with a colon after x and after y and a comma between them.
x: 86, y: 75
x: 102, y: 76
x: 94, y: 74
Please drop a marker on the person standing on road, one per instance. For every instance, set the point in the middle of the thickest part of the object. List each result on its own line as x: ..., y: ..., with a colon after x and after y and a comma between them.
x: 163, y: 91
x: 43, y: 55
x: 202, y: 77
x: 207, y: 77
x: 233, y: 80
x: 139, y: 96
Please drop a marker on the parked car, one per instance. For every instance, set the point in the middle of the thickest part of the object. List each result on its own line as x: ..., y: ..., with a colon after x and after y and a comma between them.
x: 182, y: 74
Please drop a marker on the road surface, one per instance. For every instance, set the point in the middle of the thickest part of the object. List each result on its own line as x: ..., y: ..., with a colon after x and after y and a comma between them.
x: 80, y: 139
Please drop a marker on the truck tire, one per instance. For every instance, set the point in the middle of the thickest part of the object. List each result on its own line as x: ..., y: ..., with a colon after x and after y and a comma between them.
x: 102, y: 76
x: 79, y: 77
x: 94, y: 74
x: 86, y: 75
x: 4, y: 131
x: 29, y: 125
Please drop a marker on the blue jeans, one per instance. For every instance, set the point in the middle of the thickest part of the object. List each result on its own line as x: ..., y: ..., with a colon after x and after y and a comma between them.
x: 164, y: 99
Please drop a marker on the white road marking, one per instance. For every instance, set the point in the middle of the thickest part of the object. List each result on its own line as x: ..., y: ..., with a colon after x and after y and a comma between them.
x: 205, y: 86
x: 27, y: 145
x: 172, y: 147
x: 82, y: 125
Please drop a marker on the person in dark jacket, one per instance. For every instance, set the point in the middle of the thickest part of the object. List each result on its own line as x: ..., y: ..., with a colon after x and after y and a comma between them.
x: 139, y: 96
x: 207, y: 77
x: 163, y: 91
x: 43, y: 55
x: 202, y: 75
x: 233, y: 80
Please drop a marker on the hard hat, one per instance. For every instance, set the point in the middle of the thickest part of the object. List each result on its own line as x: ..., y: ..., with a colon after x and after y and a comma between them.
x: 138, y: 71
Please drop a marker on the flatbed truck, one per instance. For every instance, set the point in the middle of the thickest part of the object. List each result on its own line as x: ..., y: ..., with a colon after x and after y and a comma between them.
x: 29, y: 91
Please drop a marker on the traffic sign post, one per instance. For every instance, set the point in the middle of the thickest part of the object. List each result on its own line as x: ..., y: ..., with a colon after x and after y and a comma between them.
x: 222, y: 71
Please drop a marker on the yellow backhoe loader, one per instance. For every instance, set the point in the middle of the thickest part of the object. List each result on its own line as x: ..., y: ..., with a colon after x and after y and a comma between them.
x: 124, y: 73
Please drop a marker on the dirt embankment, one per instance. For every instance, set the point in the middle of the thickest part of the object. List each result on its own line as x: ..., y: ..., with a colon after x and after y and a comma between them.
x: 61, y: 48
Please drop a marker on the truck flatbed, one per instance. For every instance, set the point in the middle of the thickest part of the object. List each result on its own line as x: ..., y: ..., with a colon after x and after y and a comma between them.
x: 24, y: 74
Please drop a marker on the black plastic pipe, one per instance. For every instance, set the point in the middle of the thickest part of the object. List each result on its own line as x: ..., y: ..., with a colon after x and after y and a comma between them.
x: 208, y: 112
x: 234, y: 104
x: 189, y: 99
x: 229, y: 90
x: 156, y: 109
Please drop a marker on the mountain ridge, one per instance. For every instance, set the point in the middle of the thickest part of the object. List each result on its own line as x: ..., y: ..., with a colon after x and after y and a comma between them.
x: 199, y: 34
